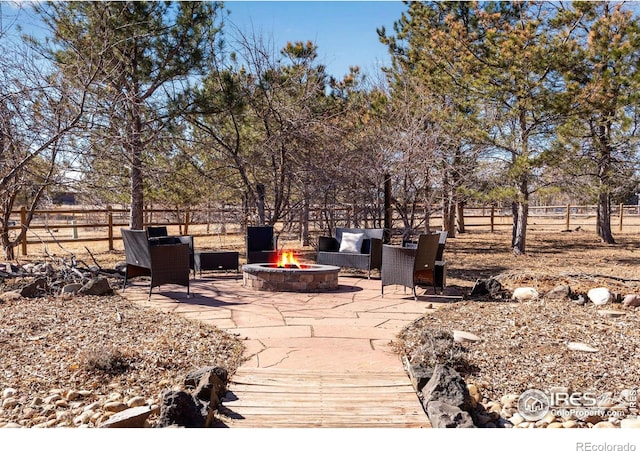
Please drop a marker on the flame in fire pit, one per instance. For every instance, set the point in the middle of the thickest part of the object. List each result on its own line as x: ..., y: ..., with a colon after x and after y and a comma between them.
x: 287, y: 259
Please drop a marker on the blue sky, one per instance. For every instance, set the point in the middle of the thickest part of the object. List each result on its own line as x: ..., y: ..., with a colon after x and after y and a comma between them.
x: 344, y: 31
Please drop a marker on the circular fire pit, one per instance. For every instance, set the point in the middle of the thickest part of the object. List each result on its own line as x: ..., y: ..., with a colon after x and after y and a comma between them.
x: 306, y: 278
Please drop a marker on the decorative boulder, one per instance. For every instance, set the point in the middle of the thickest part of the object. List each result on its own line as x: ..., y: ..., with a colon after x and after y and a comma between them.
x: 97, y: 287
x: 631, y: 300
x: 484, y: 287
x: 525, y: 294
x: 559, y: 292
x: 462, y: 336
x: 420, y: 375
x: 599, y: 296
x: 71, y: 288
x: 447, y: 386
x: 180, y: 409
x: 442, y: 415
x: 192, y: 379
x: 134, y: 417
x: 38, y: 287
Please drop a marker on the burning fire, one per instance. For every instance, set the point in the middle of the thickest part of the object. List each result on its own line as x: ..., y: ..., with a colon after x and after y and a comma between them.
x: 287, y: 259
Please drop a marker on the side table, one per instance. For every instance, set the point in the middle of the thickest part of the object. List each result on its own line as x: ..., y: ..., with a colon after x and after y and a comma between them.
x: 215, y: 260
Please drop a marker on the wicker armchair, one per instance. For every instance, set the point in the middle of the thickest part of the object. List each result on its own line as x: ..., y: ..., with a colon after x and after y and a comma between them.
x: 261, y: 244
x: 409, y: 266
x: 160, y: 237
x: 441, y: 264
x: 164, y: 263
x: 368, y: 257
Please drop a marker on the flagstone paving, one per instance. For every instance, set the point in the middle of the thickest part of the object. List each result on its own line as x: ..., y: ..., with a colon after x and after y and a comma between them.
x: 348, y: 331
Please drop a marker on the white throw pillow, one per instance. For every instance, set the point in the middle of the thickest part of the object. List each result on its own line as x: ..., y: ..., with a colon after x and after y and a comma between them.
x: 351, y: 242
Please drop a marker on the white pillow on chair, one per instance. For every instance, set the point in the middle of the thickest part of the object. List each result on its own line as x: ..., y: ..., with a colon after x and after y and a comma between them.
x: 351, y: 242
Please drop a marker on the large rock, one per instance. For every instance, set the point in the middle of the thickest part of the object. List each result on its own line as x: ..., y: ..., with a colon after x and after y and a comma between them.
x: 420, y: 375
x: 486, y: 287
x: 443, y: 415
x: 37, y: 288
x: 71, y: 288
x: 134, y: 417
x: 558, y: 292
x: 599, y: 296
x: 447, y: 386
x: 525, y: 294
x: 193, y: 378
x: 179, y: 408
x: 97, y: 287
x: 461, y: 336
x: 631, y: 300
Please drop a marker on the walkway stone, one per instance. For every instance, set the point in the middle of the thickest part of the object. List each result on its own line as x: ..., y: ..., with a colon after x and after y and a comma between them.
x: 315, y: 337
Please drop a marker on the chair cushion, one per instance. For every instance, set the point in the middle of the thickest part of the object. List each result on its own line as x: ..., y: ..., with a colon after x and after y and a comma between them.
x: 351, y: 242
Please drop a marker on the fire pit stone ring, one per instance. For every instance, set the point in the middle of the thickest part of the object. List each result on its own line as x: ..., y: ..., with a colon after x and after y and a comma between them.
x: 306, y: 278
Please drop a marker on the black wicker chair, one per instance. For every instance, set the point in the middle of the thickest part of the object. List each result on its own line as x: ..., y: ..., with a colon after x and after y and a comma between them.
x: 261, y: 244
x: 441, y: 264
x: 369, y: 256
x: 160, y: 235
x: 411, y: 266
x: 163, y: 263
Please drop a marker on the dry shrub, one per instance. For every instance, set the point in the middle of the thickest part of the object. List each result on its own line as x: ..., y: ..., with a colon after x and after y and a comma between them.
x: 107, y: 360
x: 433, y: 346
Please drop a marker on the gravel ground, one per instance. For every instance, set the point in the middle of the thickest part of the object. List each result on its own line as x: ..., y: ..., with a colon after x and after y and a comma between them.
x: 527, y: 345
x: 524, y: 345
x: 75, y: 362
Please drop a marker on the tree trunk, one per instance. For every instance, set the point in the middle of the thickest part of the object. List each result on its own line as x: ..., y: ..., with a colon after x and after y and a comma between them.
x: 260, y: 203
x: 7, y: 245
x: 603, y: 224
x: 137, y: 183
x: 460, y: 216
x: 427, y: 204
x: 449, y: 216
x: 137, y: 197
x: 449, y: 183
x: 304, y: 223
x: 521, y: 214
x: 514, y: 228
x: 520, y: 210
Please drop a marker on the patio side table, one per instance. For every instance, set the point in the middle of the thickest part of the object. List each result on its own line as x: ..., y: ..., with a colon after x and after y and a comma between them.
x: 215, y: 260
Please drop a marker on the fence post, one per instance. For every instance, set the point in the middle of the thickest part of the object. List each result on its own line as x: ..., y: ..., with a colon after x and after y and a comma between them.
x: 567, y: 217
x: 621, y: 215
x: 493, y: 215
x: 23, y: 229
x: 110, y: 226
x: 74, y: 230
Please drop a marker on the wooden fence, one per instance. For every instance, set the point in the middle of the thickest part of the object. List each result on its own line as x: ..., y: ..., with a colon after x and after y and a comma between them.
x: 79, y: 225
